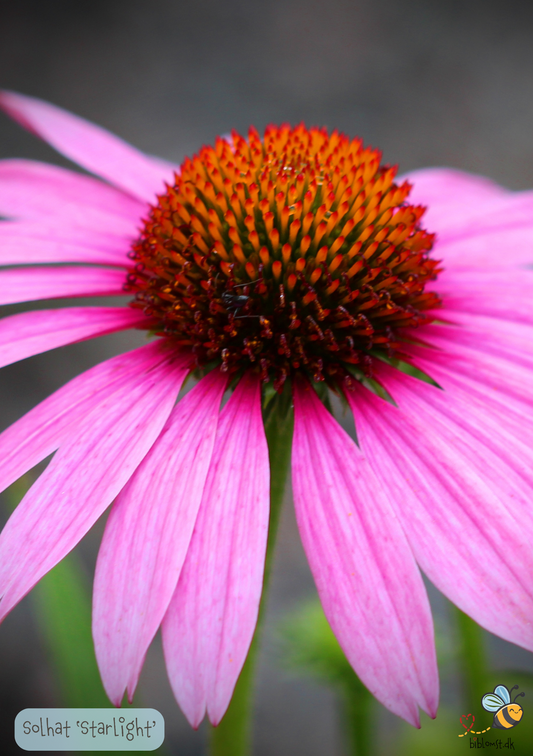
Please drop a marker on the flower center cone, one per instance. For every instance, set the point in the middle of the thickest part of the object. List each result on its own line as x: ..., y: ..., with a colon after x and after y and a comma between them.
x: 295, y: 252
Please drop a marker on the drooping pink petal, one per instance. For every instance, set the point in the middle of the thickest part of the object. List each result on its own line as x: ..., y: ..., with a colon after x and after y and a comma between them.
x: 23, y: 285
x: 491, y: 281
x: 211, y: 619
x: 512, y: 210
x: 35, y: 191
x: 497, y: 368
x: 504, y: 400
x: 461, y: 205
x: 367, y: 579
x: 41, y: 431
x: 451, y: 196
x: 494, y: 336
x: 90, y: 146
x: 84, y: 477
x: 457, y: 489
x: 30, y: 333
x: 478, y: 388
x: 147, y: 536
x: 508, y: 245
x: 493, y: 444
x: 27, y: 243
x: 505, y: 293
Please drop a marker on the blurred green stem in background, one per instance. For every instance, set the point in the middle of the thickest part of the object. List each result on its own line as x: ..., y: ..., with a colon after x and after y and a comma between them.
x: 63, y: 607
x: 233, y: 736
x: 311, y: 649
x: 63, y: 610
x: 62, y: 602
x: 356, y: 709
x: 472, y: 657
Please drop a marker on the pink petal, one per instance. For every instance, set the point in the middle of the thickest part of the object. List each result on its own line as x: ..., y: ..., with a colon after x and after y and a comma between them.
x: 491, y: 281
x: 502, y: 293
x: 211, y: 619
x: 491, y: 335
x: 498, y: 368
x: 147, y: 536
x: 500, y: 450
x: 461, y: 499
x: 502, y: 423
x: 494, y: 443
x: 27, y: 243
x: 84, y: 477
x: 40, y: 192
x: 35, y: 332
x: 41, y: 431
x: 461, y: 205
x: 508, y: 245
x: 48, y: 283
x: 451, y: 196
x: 368, y: 582
x: 475, y: 387
x: 90, y: 146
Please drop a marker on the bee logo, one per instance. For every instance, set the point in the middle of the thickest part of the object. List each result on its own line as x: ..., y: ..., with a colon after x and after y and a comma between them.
x: 507, y: 713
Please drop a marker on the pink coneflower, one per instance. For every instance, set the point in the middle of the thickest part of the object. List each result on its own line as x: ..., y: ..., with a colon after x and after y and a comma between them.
x: 291, y: 261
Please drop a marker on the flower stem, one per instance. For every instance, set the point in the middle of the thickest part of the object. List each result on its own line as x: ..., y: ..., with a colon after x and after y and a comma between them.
x: 233, y: 735
x: 356, y: 707
x: 472, y: 656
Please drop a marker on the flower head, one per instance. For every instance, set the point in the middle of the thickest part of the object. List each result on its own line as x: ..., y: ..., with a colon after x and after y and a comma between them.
x: 295, y: 252
x: 293, y: 260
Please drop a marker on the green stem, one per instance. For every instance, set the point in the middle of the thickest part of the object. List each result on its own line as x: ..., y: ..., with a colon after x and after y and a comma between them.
x: 472, y: 657
x: 62, y: 603
x: 356, y: 718
x: 233, y: 735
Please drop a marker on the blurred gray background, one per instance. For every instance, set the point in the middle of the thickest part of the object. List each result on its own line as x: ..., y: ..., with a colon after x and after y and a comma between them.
x: 431, y: 83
